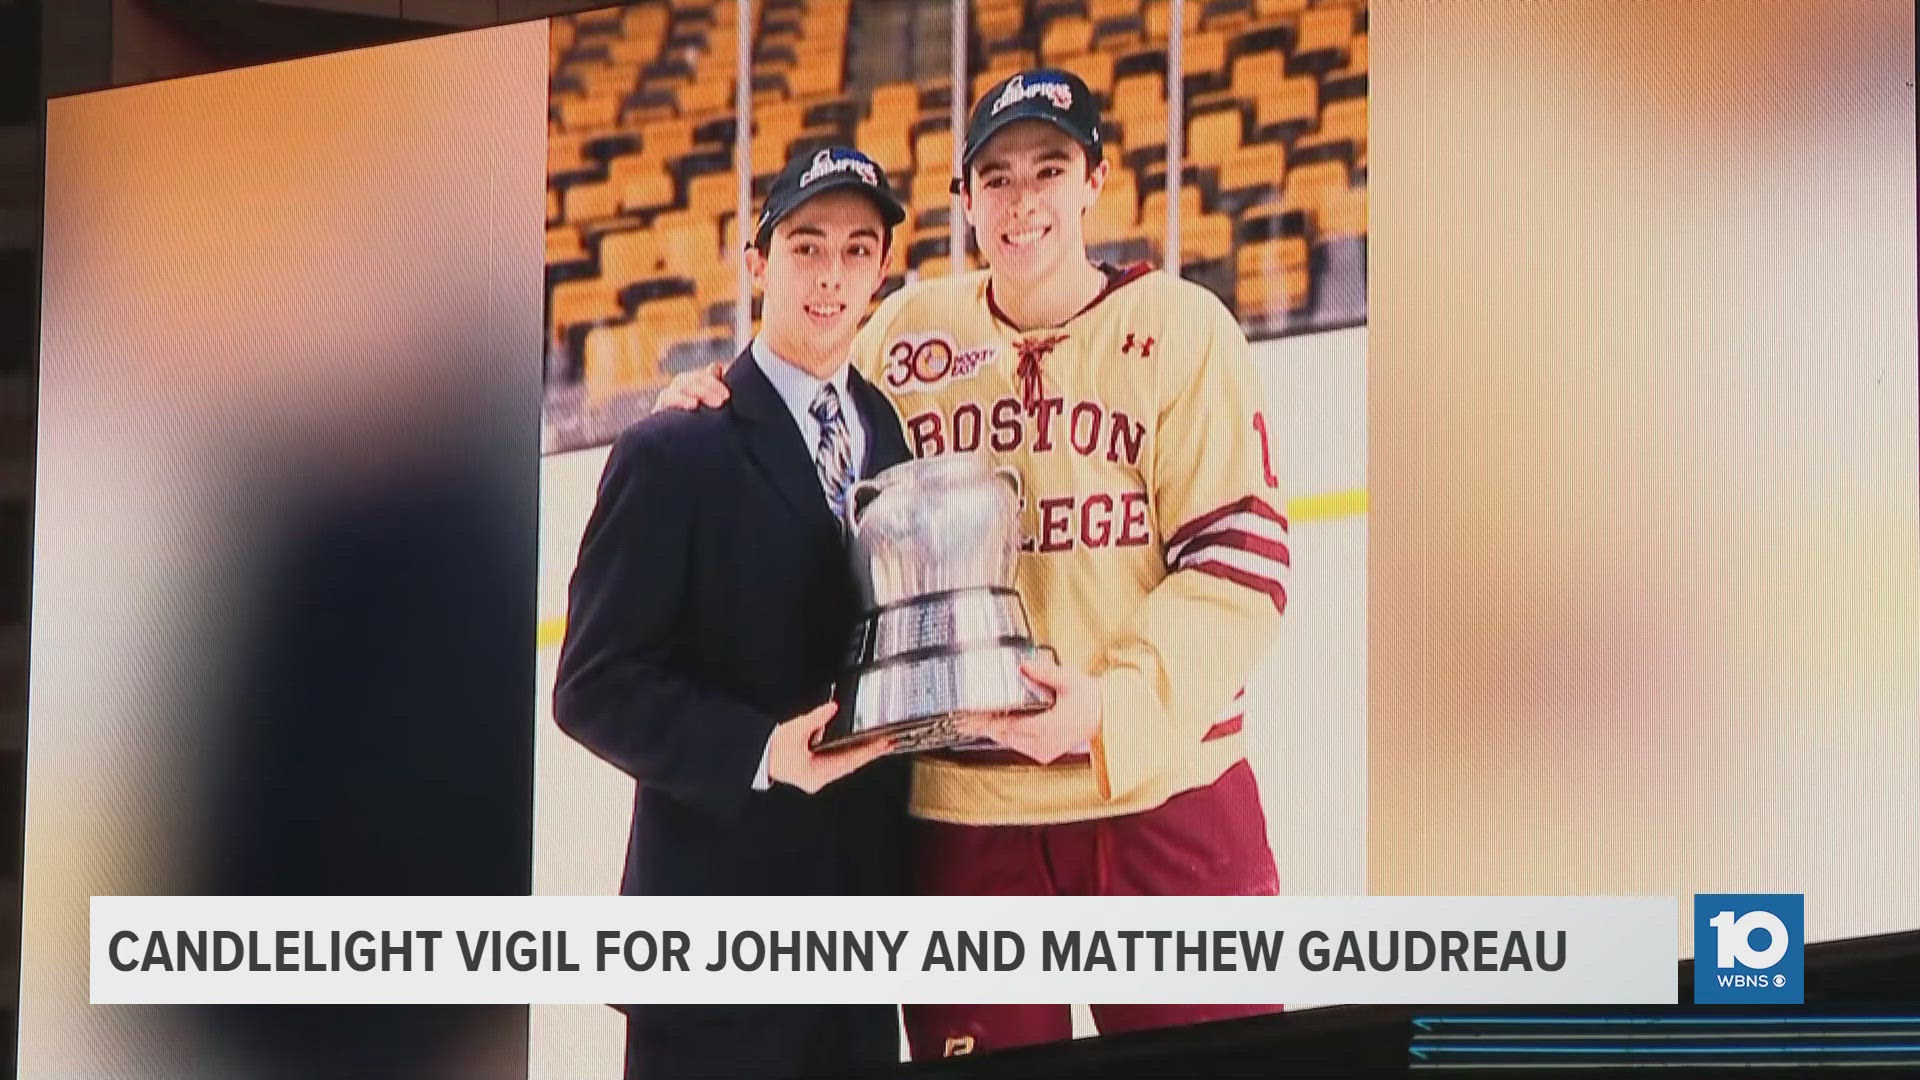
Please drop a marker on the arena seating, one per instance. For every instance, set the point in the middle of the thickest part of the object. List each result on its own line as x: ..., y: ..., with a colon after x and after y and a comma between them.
x: 642, y: 242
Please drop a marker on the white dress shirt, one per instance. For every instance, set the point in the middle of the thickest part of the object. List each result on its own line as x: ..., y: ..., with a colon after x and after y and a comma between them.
x: 797, y: 389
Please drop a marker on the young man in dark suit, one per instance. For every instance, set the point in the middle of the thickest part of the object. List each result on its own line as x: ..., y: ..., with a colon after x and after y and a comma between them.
x: 709, y: 613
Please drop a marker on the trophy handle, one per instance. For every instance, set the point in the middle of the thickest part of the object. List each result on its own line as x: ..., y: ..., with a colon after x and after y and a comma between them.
x: 859, y: 496
x: 1011, y: 475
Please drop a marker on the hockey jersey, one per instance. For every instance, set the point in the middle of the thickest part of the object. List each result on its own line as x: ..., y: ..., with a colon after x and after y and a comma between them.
x: 1154, y: 555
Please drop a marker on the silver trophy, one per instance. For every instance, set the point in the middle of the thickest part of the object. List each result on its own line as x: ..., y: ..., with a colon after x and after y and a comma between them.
x: 933, y: 544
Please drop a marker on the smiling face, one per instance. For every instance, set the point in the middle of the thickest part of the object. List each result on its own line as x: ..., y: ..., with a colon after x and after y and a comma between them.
x: 823, y: 264
x: 1026, y: 193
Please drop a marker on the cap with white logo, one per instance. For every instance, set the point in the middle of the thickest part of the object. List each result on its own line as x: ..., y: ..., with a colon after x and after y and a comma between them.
x: 827, y: 169
x: 1059, y: 97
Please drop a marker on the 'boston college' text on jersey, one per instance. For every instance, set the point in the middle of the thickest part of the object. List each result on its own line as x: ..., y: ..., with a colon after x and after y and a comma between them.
x: 1154, y: 555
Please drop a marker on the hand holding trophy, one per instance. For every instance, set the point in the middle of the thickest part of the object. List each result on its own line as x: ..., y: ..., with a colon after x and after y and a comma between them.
x: 933, y: 545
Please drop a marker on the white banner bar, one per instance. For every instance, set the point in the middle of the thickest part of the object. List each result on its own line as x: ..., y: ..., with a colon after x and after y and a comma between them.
x: 556, y: 950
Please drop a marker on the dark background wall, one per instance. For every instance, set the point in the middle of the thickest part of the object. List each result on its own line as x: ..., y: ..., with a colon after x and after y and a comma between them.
x: 73, y: 46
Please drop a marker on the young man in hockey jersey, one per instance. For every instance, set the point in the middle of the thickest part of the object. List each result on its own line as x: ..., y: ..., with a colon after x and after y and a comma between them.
x: 1153, y: 563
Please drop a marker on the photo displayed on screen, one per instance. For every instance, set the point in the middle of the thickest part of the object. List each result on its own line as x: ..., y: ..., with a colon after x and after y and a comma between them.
x: 870, y: 570
x: 1026, y: 480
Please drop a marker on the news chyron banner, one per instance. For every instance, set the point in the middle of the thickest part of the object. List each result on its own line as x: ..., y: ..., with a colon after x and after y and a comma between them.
x: 712, y: 950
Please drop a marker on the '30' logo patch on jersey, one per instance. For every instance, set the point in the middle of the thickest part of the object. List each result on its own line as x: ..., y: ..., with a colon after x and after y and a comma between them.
x: 924, y: 361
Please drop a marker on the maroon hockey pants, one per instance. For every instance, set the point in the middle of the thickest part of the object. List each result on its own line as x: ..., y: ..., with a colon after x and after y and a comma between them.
x: 1210, y: 841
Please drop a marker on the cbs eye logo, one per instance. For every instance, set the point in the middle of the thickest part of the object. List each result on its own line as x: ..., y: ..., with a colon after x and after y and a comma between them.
x: 1748, y: 947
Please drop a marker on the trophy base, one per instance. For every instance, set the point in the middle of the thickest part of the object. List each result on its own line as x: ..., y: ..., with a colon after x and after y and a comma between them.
x: 919, y: 703
x: 913, y: 736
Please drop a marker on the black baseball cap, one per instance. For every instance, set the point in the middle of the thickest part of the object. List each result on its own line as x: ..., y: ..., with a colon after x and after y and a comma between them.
x: 826, y: 169
x: 1059, y: 97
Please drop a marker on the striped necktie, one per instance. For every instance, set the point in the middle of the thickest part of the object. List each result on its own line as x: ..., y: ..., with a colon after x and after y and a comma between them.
x: 833, y: 456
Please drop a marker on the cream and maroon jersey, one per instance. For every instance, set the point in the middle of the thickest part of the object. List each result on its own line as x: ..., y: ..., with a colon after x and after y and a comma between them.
x: 1154, y: 556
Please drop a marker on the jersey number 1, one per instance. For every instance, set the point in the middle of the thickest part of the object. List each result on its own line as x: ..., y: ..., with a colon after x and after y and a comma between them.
x: 1266, y: 450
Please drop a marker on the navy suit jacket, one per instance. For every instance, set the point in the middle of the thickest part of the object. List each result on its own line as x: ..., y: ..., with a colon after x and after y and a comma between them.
x: 713, y: 600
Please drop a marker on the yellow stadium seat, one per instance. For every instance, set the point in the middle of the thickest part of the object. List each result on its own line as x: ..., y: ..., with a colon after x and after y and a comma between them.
x: 1343, y: 213
x: 768, y: 156
x: 1159, y: 19
x: 933, y: 151
x: 563, y: 245
x: 1132, y: 91
x: 1203, y: 237
x: 1153, y: 212
x: 617, y: 359
x: 931, y: 188
x: 553, y: 206
x: 1307, y: 186
x: 635, y: 51
x: 814, y: 81
x: 577, y: 302
x: 664, y: 140
x: 1256, y: 73
x: 689, y: 242
x: 1356, y: 56
x: 894, y: 101
x: 1345, y: 119
x: 1286, y: 100
x: 1271, y: 277
x: 1213, y: 137
x: 1231, y: 20
x: 1211, y: 100
x: 826, y: 47
x: 1258, y: 165
x: 706, y: 95
x: 1100, y: 10
x: 1065, y: 37
x: 822, y: 23
x: 886, y: 143
x: 1273, y: 10
x: 1324, y: 28
x: 1117, y: 213
x: 602, y: 226
x: 1206, y: 238
x: 716, y: 284
x: 563, y: 154
x: 642, y: 184
x: 561, y: 34
x: 998, y: 24
x: 1094, y: 68
x: 584, y: 202
x: 1204, y: 54
x: 673, y: 317
x: 643, y: 20
x: 712, y: 194
x: 589, y: 112
x: 630, y: 256
x: 615, y: 81
x: 1140, y: 106
x: 782, y: 119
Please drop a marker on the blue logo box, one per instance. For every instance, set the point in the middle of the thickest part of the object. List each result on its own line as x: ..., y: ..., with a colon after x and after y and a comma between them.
x: 1749, y: 948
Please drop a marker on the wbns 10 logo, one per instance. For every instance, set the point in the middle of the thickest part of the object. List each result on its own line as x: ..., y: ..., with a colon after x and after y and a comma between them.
x: 1749, y: 948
